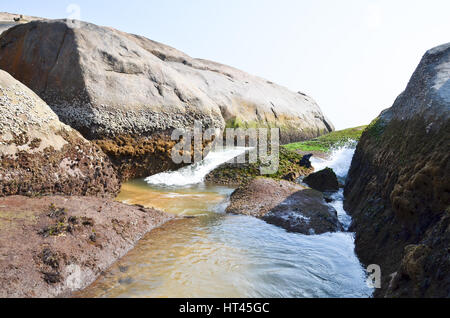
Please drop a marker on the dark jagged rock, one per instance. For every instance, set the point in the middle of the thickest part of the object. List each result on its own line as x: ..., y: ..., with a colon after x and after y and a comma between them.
x: 398, y: 188
x: 306, y: 161
x: 291, y: 176
x: 324, y: 181
x: 285, y: 204
x: 129, y: 93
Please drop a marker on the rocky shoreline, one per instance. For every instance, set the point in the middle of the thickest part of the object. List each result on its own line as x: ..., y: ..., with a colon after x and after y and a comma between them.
x: 59, y: 226
x: 55, y: 245
x: 83, y: 109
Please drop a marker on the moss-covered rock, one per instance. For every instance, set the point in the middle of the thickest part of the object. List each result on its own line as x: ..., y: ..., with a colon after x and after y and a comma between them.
x: 235, y: 174
x: 398, y: 187
x: 328, y: 141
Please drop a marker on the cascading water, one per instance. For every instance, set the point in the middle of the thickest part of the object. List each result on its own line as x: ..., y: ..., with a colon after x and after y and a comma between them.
x: 221, y: 255
x: 196, y: 173
x: 339, y: 160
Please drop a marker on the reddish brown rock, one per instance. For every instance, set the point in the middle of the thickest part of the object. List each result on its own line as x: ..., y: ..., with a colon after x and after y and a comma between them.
x: 55, y: 245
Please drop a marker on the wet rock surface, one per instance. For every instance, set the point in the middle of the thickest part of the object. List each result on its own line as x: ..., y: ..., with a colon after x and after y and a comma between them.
x: 47, y: 247
x: 398, y: 188
x: 41, y: 155
x: 285, y: 204
x: 232, y: 173
x: 323, y: 181
x: 125, y: 91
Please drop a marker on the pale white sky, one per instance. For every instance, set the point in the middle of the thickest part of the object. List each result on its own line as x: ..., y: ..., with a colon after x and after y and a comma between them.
x: 354, y: 57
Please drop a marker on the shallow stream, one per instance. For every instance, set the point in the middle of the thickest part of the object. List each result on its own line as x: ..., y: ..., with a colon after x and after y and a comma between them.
x: 221, y: 255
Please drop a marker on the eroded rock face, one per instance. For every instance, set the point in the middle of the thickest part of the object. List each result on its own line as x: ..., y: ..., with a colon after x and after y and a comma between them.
x: 398, y: 188
x: 128, y: 93
x: 55, y: 245
x: 324, y: 181
x: 41, y: 155
x: 285, y: 204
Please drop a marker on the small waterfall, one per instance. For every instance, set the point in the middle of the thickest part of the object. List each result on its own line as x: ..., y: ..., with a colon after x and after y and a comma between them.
x: 196, y: 173
x: 340, y: 161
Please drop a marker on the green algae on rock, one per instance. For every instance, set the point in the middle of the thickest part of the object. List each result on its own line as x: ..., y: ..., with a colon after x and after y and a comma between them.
x: 328, y: 141
x: 398, y: 188
x: 237, y: 173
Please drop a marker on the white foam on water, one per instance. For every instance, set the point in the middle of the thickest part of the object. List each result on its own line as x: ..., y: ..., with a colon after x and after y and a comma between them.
x: 338, y: 205
x: 339, y: 160
x: 196, y: 173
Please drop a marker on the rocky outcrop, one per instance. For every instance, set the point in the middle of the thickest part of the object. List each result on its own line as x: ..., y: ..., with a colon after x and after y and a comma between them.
x: 53, y: 246
x: 41, y: 155
x: 398, y: 188
x: 285, y: 204
x: 323, y: 181
x: 129, y: 93
x: 8, y: 20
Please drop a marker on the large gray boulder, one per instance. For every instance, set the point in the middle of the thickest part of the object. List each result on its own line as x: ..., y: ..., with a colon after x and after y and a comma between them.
x: 41, y: 155
x: 398, y: 187
x: 128, y: 93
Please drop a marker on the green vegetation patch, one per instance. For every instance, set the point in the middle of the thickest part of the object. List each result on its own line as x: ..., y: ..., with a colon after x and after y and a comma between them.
x: 376, y: 128
x: 231, y: 173
x: 326, y: 142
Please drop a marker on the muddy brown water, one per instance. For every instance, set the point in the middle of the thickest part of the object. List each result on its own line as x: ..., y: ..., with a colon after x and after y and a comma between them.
x: 220, y: 255
x: 215, y: 254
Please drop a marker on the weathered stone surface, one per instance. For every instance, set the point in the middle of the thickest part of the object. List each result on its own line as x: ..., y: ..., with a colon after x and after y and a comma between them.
x: 285, y: 204
x: 41, y: 155
x: 55, y: 245
x: 398, y: 188
x: 8, y: 20
x: 232, y: 173
x: 324, y: 181
x: 113, y: 86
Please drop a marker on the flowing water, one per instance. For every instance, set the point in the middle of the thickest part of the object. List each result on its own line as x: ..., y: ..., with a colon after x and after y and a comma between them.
x: 220, y: 255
